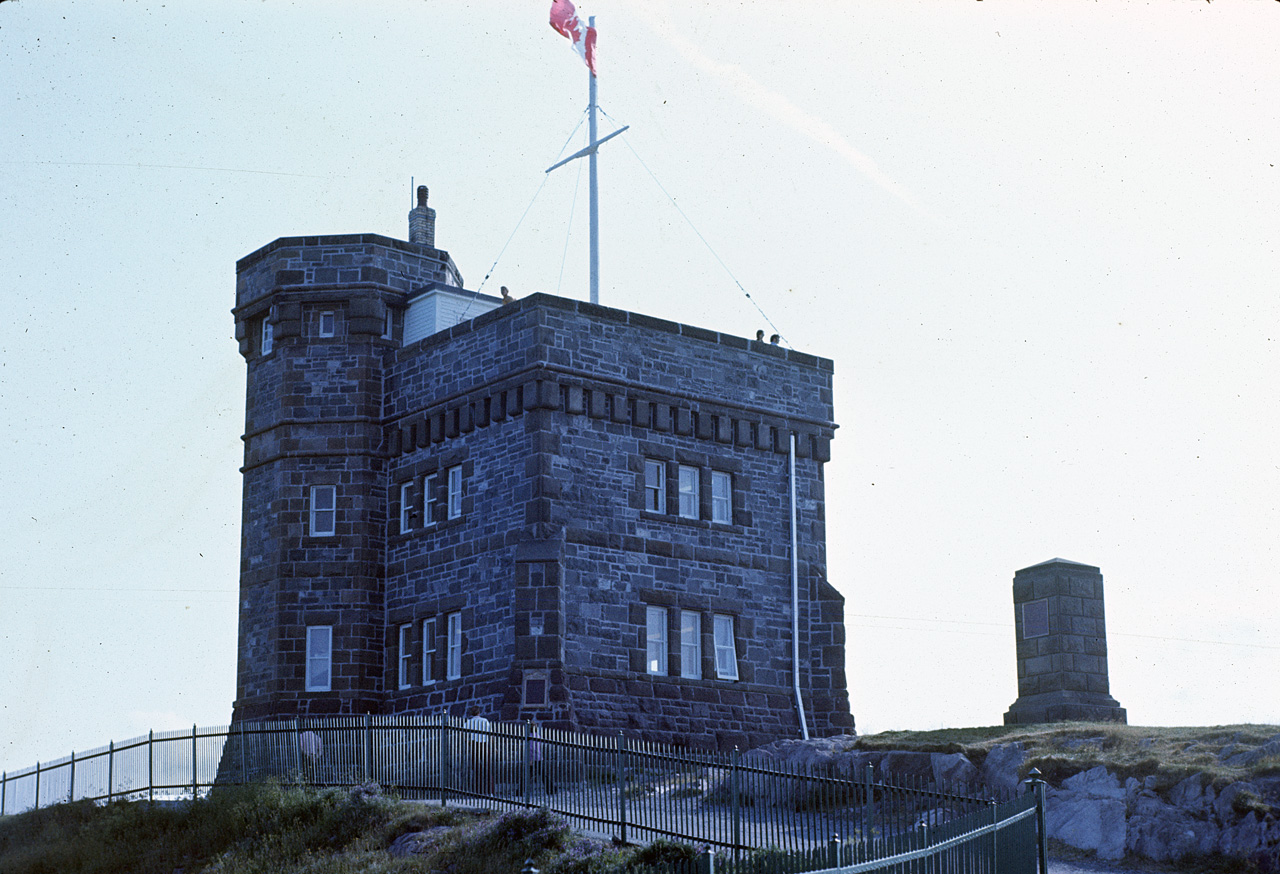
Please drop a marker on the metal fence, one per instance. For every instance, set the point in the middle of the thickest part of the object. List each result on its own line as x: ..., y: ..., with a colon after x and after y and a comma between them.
x: 754, y: 814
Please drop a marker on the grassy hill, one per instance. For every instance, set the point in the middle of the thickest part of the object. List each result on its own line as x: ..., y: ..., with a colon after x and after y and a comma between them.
x: 273, y: 829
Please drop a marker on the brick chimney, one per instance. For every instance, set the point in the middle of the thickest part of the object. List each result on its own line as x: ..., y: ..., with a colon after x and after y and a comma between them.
x: 422, y: 221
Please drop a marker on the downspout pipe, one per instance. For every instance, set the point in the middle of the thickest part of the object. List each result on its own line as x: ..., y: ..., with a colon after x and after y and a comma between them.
x: 795, y: 592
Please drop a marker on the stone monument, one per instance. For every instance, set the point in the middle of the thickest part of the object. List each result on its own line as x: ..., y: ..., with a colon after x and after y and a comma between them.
x: 1062, y: 646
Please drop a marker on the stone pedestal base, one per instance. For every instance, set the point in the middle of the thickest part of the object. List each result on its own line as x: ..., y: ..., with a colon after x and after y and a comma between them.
x: 1065, y: 707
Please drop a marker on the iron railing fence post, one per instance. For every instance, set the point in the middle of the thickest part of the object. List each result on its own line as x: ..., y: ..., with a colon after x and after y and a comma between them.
x: 367, y: 767
x: 37, y: 786
x: 195, y: 766
x: 244, y: 767
x: 737, y: 812
x: 527, y: 757
x: 296, y: 747
x: 151, y: 767
x: 869, y: 811
x: 4, y: 786
x: 995, y: 836
x: 622, y: 785
x: 111, y: 770
x: 444, y: 761
x: 71, y: 787
x: 1042, y: 837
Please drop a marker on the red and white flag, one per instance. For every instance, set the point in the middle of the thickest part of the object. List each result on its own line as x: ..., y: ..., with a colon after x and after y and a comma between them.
x: 565, y: 21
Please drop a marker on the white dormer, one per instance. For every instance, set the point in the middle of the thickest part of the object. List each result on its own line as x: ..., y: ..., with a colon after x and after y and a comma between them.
x: 438, y: 307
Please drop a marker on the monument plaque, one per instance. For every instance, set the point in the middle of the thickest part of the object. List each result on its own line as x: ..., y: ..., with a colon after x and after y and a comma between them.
x: 1035, y: 618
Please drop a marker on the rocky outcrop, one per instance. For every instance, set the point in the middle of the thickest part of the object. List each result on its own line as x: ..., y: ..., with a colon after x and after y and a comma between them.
x: 1091, y: 810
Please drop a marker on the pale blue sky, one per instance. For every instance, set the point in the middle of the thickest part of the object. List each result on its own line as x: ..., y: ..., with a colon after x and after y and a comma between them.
x: 1038, y: 240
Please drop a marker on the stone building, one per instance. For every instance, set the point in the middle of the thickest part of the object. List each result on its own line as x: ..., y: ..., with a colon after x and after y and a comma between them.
x: 558, y: 511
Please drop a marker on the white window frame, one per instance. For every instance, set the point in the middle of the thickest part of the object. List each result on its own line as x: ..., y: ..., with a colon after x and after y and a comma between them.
x: 690, y: 484
x: 655, y: 486
x: 268, y: 336
x: 655, y: 640
x: 726, y: 650
x: 690, y: 644
x: 319, y: 658
x: 721, y: 497
x: 327, y: 330
x: 428, y: 500
x: 321, y: 515
x: 428, y: 650
x: 455, y: 491
x: 406, y: 507
x: 453, y: 667
x: 402, y: 673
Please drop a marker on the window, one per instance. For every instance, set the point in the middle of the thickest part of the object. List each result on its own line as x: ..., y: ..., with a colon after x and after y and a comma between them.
x: 726, y: 653
x: 429, y: 501
x: 690, y: 644
x: 326, y: 323
x: 655, y: 486
x: 268, y: 335
x: 402, y: 675
x: 721, y: 497
x: 453, y: 668
x: 428, y: 651
x: 319, y: 657
x: 455, y: 492
x: 689, y: 481
x: 656, y: 640
x: 388, y: 323
x: 406, y: 507
x: 324, y: 512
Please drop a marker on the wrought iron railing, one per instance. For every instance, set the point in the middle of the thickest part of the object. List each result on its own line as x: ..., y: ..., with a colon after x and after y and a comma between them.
x: 753, y: 813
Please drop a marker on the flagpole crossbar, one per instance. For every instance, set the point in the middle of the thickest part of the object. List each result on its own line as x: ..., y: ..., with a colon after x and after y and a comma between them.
x: 582, y: 153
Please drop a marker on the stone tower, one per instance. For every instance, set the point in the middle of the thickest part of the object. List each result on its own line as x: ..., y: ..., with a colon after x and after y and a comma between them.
x: 1062, y: 646
x: 558, y: 511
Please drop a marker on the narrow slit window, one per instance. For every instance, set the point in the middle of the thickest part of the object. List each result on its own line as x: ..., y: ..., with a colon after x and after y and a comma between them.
x: 689, y: 488
x: 690, y: 644
x: 324, y: 510
x: 402, y: 675
x: 455, y: 492
x: 429, y: 501
x: 406, y: 507
x: 721, y: 497
x: 726, y: 651
x: 656, y: 640
x: 428, y: 651
x: 655, y: 486
x: 454, y: 655
x: 319, y: 658
x: 327, y: 321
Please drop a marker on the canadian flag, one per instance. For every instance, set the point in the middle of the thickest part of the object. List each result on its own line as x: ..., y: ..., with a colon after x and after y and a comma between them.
x: 564, y: 18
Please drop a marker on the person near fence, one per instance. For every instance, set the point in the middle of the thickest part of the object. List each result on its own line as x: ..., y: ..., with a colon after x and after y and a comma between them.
x: 538, y: 765
x: 478, y: 748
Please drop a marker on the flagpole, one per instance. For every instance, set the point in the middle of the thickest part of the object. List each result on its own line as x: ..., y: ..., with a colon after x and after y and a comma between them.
x: 594, y: 195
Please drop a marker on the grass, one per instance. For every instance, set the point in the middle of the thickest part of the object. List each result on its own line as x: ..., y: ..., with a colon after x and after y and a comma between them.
x: 1166, y: 754
x: 274, y: 829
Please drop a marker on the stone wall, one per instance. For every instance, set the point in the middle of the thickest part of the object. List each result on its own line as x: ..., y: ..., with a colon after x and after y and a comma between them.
x: 550, y: 409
